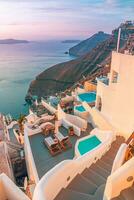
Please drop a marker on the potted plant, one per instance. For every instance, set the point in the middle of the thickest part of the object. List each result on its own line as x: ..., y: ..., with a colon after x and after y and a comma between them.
x: 21, y: 121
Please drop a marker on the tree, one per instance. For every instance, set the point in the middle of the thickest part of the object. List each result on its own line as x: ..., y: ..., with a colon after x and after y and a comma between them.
x: 21, y: 120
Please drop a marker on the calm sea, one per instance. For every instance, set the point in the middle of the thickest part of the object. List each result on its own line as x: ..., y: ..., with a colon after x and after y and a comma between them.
x: 19, y: 64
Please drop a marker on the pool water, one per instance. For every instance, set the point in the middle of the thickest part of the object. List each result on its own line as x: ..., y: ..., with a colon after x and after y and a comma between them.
x: 80, y: 108
x: 88, y: 144
x: 89, y: 97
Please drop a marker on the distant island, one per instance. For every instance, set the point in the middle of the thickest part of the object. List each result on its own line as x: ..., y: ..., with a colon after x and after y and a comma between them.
x: 13, y: 41
x: 70, y: 41
x: 87, y: 45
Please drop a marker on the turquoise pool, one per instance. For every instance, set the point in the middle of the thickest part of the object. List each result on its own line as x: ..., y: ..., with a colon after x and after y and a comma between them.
x: 89, y: 97
x: 88, y: 144
x: 80, y: 108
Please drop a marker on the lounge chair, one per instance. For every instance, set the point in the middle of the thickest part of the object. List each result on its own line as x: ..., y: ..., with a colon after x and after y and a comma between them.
x: 52, y: 145
x: 63, y: 140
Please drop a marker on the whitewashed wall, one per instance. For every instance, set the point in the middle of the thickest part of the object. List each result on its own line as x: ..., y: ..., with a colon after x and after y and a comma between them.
x: 97, y: 119
x: 118, y: 98
x: 48, y: 107
x: 65, y: 171
x: 8, y: 190
x: 118, y: 180
x: 31, y: 167
x: 77, y: 121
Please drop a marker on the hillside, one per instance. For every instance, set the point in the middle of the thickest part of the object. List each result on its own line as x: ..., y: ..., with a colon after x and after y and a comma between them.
x: 64, y: 75
x: 87, y: 45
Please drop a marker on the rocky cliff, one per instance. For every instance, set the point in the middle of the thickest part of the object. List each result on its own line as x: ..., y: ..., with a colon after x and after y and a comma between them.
x: 87, y: 45
x: 64, y: 75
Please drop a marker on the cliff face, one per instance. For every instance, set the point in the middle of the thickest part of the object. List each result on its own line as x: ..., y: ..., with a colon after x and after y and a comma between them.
x: 64, y: 75
x: 87, y: 45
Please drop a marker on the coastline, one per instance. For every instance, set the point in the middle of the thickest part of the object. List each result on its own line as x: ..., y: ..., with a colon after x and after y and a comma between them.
x: 25, y: 62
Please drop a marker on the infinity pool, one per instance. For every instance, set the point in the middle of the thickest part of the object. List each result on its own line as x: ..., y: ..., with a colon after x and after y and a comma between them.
x: 89, y: 97
x: 88, y: 144
x: 80, y: 108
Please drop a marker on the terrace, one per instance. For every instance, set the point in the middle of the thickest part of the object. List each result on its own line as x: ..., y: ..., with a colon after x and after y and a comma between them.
x: 44, y: 161
x: 39, y: 110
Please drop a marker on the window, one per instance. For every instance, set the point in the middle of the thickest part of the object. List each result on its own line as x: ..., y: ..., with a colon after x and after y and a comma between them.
x: 114, y: 77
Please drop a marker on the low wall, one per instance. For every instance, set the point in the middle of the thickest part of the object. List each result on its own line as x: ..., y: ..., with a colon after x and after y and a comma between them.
x: 31, y: 167
x: 11, y: 125
x: 34, y: 131
x: 48, y: 107
x: 67, y: 99
x: 65, y: 172
x: 84, y: 115
x: 97, y: 119
x: 121, y: 179
x: 120, y: 157
x: 67, y: 124
x: 75, y: 120
x: 103, y: 136
x: 8, y: 190
x: 31, y: 118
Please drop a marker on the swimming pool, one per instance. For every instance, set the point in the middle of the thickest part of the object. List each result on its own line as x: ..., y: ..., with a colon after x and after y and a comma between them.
x: 80, y: 108
x: 89, y: 97
x: 88, y: 144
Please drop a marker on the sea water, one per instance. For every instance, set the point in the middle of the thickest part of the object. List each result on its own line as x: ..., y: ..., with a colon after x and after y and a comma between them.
x: 20, y: 64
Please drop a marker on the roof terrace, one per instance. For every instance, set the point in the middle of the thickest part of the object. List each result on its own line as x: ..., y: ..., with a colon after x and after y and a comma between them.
x: 44, y: 161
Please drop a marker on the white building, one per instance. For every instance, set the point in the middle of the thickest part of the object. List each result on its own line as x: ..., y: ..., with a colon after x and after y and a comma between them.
x: 115, y: 94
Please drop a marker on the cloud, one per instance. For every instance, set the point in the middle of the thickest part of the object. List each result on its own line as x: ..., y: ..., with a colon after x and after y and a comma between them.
x: 58, y: 16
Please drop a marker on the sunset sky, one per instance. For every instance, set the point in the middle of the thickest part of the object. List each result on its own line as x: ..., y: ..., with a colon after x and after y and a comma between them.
x: 56, y: 19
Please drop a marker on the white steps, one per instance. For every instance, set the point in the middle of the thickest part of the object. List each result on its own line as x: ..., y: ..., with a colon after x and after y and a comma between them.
x: 127, y: 194
x: 90, y: 184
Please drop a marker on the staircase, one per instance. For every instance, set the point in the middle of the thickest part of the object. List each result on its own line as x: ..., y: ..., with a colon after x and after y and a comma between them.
x: 90, y: 184
x: 127, y: 194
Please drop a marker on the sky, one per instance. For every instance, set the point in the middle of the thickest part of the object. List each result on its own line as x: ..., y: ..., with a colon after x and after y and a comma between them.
x: 61, y: 19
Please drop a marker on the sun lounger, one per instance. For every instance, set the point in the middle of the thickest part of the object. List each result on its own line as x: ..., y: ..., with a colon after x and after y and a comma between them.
x: 63, y: 140
x: 52, y: 145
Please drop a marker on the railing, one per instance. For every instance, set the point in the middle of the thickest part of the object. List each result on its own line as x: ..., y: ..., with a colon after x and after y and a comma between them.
x: 73, y: 120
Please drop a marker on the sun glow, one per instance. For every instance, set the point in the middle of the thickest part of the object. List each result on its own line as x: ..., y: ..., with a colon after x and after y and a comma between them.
x: 58, y: 19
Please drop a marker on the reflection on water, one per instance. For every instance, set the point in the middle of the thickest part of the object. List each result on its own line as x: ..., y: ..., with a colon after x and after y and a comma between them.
x: 19, y: 64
